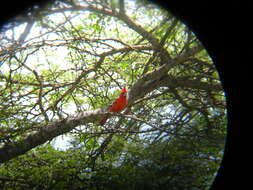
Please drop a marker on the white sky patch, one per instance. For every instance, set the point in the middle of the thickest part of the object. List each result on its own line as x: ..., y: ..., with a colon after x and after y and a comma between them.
x: 62, y: 142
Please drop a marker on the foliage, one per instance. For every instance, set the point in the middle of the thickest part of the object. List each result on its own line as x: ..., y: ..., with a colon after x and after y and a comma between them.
x: 75, y: 56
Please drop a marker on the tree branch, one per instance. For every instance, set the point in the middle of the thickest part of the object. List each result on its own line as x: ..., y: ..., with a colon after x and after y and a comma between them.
x: 47, y: 132
x: 121, y: 6
x: 183, y: 82
x: 153, y: 79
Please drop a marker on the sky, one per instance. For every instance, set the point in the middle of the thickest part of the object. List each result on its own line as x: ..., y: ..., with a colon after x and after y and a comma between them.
x: 61, y: 142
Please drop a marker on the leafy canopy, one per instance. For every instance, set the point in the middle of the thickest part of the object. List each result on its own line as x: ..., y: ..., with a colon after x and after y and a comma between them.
x: 75, y: 56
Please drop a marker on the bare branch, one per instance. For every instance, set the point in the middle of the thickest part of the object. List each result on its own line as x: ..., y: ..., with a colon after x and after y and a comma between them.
x: 153, y: 79
x: 46, y: 133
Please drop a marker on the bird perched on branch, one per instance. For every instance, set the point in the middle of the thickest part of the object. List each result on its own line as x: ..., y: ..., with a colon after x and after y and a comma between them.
x: 118, y: 105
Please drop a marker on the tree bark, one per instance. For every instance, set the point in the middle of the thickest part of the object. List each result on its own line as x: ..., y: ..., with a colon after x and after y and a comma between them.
x: 46, y: 133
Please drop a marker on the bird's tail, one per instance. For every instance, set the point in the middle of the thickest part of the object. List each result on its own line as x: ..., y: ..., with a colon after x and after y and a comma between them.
x: 104, y: 119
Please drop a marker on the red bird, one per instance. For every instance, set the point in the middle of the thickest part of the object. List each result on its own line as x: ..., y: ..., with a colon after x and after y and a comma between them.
x: 119, y: 104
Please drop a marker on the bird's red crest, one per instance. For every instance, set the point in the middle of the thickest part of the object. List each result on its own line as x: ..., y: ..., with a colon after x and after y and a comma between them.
x: 124, y: 90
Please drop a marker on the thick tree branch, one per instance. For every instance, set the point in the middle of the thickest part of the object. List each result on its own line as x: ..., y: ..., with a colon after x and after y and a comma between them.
x: 153, y: 79
x: 47, y: 132
x: 121, y: 6
x: 183, y: 82
x: 27, y: 30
